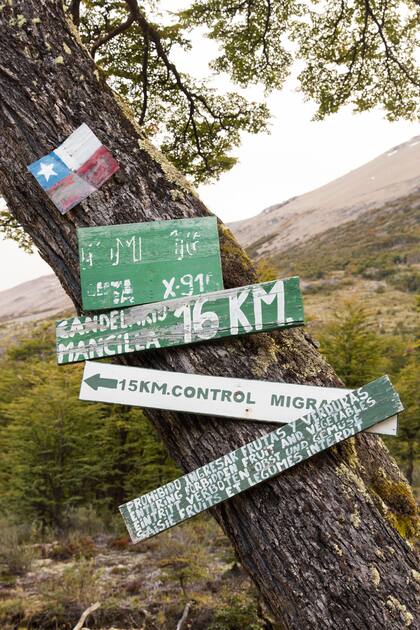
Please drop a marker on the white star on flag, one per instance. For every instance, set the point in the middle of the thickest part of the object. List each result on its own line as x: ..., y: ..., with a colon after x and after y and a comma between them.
x: 47, y: 170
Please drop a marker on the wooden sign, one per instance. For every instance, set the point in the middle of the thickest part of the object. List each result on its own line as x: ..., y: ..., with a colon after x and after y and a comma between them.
x: 75, y: 169
x: 259, y: 460
x: 230, y: 397
x: 136, y: 263
x: 254, y: 308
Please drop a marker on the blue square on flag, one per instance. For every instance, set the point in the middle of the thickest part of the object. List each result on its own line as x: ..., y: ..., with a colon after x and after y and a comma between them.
x: 49, y: 170
x: 75, y: 169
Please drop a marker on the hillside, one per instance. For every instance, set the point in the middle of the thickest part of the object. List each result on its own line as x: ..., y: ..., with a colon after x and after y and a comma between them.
x: 33, y: 300
x: 374, y: 260
x: 392, y: 176
x: 357, y: 239
x: 381, y: 243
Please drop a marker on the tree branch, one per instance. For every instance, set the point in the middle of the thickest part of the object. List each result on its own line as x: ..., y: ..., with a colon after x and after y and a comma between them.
x: 85, y: 615
x: 265, y: 33
x: 104, y: 39
x: 153, y: 35
x: 337, y: 22
x: 75, y: 11
x: 181, y: 623
x: 388, y: 51
x: 144, y: 69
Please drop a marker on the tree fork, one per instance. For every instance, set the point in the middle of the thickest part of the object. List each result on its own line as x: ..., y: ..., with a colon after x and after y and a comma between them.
x: 325, y: 542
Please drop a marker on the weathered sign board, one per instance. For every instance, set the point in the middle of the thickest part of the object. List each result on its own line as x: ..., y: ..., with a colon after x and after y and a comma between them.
x: 137, y: 263
x: 230, y: 397
x: 249, y: 309
x: 260, y: 460
x: 75, y: 169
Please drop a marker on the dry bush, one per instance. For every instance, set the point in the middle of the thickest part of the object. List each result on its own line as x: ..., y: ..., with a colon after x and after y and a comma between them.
x: 73, y: 546
x: 16, y: 551
x: 78, y: 587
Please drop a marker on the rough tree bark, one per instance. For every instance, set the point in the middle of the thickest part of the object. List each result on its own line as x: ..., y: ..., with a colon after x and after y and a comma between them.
x: 324, y: 542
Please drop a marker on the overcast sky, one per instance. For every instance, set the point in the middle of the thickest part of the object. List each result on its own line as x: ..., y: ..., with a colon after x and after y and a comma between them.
x: 297, y: 156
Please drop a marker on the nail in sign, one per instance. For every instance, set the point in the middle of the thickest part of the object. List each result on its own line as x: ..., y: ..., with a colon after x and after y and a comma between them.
x: 137, y: 263
x: 258, y: 461
x: 254, y: 308
x: 195, y: 393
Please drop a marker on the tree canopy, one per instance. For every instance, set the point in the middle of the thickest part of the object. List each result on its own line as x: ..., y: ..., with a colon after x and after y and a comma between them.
x: 360, y: 53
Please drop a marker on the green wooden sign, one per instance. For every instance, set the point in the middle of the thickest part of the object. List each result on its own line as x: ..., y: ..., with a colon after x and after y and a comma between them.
x: 259, y: 460
x: 254, y: 308
x: 137, y: 263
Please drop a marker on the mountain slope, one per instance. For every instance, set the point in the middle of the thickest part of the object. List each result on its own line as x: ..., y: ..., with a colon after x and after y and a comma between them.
x: 373, y: 260
x: 381, y: 243
x: 33, y: 300
x: 391, y: 176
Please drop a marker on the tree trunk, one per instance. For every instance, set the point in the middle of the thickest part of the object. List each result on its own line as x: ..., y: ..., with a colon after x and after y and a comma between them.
x: 410, y: 464
x: 325, y: 541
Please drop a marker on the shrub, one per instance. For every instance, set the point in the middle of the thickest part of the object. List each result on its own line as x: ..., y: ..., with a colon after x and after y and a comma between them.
x: 409, y: 282
x: 77, y: 588
x: 236, y: 612
x: 185, y: 555
x: 11, y: 613
x: 266, y: 271
x: 15, y: 556
x: 73, y: 546
x: 84, y: 520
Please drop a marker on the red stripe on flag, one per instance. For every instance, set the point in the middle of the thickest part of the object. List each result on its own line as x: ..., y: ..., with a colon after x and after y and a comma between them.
x: 99, y: 168
x: 69, y: 192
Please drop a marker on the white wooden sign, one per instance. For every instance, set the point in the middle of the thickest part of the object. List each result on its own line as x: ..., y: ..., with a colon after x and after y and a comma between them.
x: 230, y: 397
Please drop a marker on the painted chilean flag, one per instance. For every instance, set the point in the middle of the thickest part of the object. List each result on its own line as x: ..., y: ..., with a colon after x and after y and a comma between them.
x: 75, y: 169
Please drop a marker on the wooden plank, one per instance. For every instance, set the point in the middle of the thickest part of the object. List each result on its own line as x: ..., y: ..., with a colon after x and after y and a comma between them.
x: 254, y: 308
x: 230, y: 397
x: 259, y: 460
x: 137, y: 263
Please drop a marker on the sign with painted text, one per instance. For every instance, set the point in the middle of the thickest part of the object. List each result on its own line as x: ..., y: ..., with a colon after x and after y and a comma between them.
x: 137, y: 263
x: 259, y: 460
x: 193, y: 393
x: 249, y: 309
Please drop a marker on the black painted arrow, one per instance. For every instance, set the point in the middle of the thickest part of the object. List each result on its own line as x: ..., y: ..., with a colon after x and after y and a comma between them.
x: 96, y: 381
